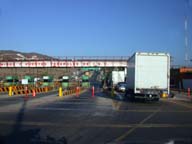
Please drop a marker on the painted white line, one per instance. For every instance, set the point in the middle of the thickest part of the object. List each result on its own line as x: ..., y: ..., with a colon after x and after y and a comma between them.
x: 81, y: 103
x: 11, y: 101
x: 71, y: 109
x: 120, y: 138
x: 180, y: 103
x: 72, y: 125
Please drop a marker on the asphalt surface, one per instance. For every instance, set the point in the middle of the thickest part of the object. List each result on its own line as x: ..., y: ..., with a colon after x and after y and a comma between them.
x: 101, y: 119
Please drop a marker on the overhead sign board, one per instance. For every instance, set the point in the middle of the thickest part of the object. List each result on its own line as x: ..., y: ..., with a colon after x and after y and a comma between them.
x: 81, y: 63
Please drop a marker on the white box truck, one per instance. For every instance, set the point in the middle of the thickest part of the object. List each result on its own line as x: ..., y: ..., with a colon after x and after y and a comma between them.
x: 148, y: 75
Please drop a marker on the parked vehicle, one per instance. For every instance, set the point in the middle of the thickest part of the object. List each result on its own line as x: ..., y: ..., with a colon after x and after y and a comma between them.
x: 116, y: 77
x: 121, y: 87
x: 148, y: 75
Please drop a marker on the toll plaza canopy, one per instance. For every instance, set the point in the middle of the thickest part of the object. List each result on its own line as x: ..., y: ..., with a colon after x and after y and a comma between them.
x: 66, y: 63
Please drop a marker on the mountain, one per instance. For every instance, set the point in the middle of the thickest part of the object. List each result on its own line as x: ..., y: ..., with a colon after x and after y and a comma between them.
x: 16, y: 55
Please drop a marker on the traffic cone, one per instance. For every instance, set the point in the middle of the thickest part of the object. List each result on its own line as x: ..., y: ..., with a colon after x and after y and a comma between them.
x: 77, y: 91
x: 34, y: 93
x: 93, y: 91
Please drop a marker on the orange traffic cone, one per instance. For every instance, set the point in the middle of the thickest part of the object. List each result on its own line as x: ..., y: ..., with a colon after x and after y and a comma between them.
x: 34, y: 93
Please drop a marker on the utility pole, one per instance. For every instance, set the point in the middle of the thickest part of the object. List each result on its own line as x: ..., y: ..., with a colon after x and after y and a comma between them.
x: 187, y: 60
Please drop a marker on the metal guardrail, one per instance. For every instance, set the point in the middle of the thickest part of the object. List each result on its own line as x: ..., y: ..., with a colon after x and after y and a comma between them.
x: 71, y: 58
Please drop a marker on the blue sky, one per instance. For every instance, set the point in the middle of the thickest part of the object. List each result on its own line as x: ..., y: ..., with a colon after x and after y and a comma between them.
x: 94, y: 27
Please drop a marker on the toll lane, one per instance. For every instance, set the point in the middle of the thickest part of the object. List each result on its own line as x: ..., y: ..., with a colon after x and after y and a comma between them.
x: 99, y: 119
x: 18, y: 99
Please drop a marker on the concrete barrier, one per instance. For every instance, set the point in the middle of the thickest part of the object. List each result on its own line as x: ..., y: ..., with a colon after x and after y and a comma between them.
x: 31, y: 90
x: 71, y: 91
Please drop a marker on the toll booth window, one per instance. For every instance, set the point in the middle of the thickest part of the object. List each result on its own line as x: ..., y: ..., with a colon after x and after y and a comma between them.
x: 11, y: 80
x: 85, y: 80
x: 30, y: 81
x: 46, y: 80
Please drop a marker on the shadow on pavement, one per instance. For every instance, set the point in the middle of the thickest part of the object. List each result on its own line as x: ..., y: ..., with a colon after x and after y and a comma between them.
x: 31, y: 136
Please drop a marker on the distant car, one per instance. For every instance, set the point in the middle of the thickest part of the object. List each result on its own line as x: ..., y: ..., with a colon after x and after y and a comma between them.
x: 121, y: 87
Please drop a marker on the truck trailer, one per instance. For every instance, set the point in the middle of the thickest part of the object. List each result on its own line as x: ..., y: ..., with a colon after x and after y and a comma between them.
x: 148, y: 76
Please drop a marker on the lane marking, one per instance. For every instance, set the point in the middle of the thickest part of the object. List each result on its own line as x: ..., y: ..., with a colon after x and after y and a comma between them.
x: 151, y: 111
x: 81, y: 103
x: 38, y: 107
x: 186, y: 105
x: 9, y: 102
x: 120, y: 138
x: 105, y: 107
x: 70, y: 109
x: 79, y: 99
x: 31, y: 123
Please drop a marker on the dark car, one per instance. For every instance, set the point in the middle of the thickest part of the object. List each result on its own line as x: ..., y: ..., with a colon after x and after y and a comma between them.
x: 121, y: 87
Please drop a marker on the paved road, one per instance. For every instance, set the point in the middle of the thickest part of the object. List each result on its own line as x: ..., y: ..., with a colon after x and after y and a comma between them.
x: 93, y: 120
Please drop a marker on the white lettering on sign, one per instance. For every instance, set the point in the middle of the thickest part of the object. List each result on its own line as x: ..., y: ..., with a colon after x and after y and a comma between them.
x: 1, y: 64
x: 18, y: 64
x: 63, y: 63
x: 10, y: 64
